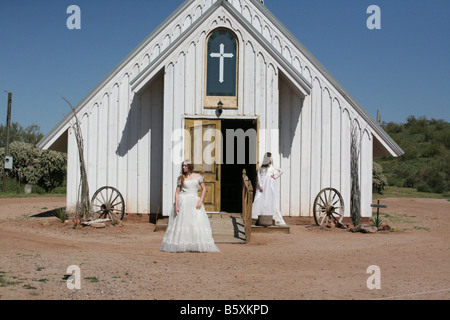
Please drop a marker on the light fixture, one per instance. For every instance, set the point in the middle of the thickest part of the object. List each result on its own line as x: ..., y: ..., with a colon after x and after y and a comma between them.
x: 219, y: 109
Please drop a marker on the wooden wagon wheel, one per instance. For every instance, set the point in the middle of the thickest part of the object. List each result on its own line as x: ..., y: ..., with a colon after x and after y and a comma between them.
x: 328, y: 206
x: 107, y: 203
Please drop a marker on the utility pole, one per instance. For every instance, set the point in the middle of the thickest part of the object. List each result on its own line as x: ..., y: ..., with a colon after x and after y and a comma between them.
x: 8, y: 124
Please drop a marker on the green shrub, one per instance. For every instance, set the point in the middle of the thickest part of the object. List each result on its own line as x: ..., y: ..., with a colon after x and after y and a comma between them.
x: 379, y: 180
x: 59, y: 190
x: 44, y: 169
x: 425, y: 164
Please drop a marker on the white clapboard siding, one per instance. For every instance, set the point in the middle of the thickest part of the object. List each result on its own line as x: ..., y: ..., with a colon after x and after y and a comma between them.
x: 366, y: 172
x: 122, y: 142
x: 335, y: 152
x: 168, y: 178
x: 113, y: 136
x: 249, y: 79
x: 285, y: 145
x: 325, y: 178
x: 315, y: 134
x: 156, y: 146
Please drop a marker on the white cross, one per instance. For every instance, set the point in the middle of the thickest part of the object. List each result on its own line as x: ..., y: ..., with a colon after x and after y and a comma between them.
x: 222, y: 55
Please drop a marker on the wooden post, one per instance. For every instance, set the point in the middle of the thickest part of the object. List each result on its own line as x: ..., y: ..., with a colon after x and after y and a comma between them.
x: 247, y: 200
x: 8, y: 124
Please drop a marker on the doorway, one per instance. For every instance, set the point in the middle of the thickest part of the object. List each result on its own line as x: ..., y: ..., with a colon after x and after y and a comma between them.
x: 238, y: 154
x: 235, y: 142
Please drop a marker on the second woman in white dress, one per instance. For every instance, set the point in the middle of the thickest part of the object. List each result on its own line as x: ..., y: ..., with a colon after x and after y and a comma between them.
x: 267, y: 199
x: 189, y: 228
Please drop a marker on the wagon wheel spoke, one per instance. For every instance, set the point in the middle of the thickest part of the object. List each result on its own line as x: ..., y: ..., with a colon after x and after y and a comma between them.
x: 323, y: 219
x: 112, y: 201
x: 103, y: 198
x: 323, y: 202
x: 114, y: 214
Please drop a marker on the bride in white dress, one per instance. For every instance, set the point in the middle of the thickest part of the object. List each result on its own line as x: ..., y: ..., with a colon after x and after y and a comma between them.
x: 267, y: 199
x: 189, y: 228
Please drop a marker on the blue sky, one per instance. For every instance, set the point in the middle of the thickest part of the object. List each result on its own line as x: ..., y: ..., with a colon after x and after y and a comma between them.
x: 402, y: 69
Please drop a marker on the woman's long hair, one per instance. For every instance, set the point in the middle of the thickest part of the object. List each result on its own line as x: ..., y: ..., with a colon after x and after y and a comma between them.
x: 190, y: 170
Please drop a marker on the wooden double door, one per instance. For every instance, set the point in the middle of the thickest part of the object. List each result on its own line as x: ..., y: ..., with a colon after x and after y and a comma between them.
x: 206, y: 146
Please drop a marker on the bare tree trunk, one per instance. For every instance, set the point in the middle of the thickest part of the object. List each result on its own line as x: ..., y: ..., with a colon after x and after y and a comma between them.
x: 355, y: 197
x: 83, y: 202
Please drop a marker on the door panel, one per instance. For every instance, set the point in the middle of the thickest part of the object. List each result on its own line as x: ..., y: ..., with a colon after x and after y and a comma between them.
x: 203, y: 146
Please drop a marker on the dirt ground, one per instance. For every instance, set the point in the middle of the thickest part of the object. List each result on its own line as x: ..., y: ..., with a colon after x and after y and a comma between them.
x: 124, y: 262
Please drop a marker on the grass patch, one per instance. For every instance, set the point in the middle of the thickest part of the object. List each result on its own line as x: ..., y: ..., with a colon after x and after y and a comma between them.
x: 5, y: 283
x: 92, y: 279
x: 29, y: 287
x: 399, y: 192
x: 403, y: 218
x: 421, y: 228
x: 401, y: 222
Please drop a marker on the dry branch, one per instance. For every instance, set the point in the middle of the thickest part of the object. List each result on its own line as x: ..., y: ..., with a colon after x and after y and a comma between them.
x: 83, y: 202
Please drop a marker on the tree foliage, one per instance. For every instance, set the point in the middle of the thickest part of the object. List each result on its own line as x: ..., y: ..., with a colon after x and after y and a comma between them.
x: 425, y: 165
x: 43, y: 168
x: 30, y: 134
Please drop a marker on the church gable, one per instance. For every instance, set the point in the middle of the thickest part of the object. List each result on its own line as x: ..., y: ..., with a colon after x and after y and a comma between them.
x: 252, y: 51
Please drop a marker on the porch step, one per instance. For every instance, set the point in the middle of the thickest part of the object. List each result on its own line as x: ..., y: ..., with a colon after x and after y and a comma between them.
x: 226, y: 227
x: 271, y: 229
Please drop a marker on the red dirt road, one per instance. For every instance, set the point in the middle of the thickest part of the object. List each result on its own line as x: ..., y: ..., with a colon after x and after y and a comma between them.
x: 124, y: 261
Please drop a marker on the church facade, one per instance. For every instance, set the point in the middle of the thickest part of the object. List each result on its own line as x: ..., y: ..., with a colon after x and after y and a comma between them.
x: 221, y: 83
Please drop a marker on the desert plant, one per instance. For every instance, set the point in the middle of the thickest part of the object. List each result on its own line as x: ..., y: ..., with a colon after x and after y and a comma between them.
x: 376, y: 221
x: 61, y: 214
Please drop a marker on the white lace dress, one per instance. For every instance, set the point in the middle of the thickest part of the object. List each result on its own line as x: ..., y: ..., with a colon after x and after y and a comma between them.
x: 267, y: 202
x: 190, y: 230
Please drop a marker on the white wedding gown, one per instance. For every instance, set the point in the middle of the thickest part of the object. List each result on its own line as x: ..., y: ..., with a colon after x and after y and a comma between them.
x: 267, y: 202
x: 190, y: 230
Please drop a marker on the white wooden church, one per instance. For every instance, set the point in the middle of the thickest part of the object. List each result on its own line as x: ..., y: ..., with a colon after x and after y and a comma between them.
x: 226, y: 65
